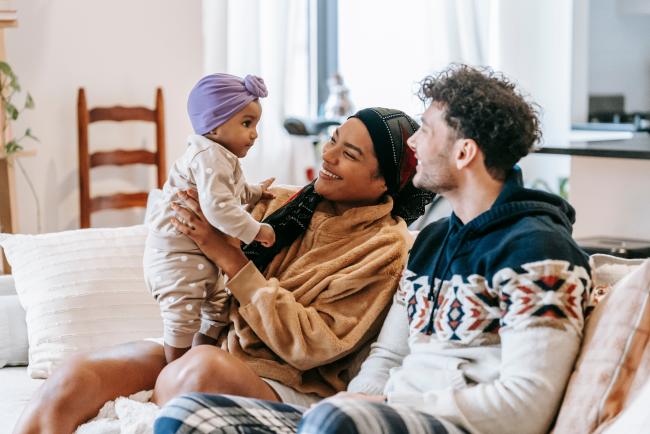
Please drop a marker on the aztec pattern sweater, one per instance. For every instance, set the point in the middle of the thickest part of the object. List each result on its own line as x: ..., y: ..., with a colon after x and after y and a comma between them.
x: 306, y: 320
x: 487, y: 322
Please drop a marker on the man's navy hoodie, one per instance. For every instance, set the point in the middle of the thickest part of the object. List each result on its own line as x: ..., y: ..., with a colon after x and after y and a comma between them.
x: 523, y: 226
x: 486, y: 324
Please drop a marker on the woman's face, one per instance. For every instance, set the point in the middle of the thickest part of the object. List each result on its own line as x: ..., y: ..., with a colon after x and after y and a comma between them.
x: 350, y: 171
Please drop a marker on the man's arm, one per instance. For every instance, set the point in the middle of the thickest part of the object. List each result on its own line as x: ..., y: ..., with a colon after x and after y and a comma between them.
x: 541, y: 328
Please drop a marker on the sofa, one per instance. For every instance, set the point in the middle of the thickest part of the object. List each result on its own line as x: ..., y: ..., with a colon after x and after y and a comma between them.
x: 16, y: 386
x: 81, y: 290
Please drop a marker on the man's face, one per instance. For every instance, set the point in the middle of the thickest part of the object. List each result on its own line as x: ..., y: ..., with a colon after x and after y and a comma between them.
x: 433, y: 145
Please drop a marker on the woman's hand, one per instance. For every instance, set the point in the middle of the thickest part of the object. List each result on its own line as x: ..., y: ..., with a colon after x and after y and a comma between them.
x: 266, y: 184
x: 221, y: 249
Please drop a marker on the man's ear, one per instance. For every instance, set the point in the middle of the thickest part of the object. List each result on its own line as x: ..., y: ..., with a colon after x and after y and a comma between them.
x: 467, y: 151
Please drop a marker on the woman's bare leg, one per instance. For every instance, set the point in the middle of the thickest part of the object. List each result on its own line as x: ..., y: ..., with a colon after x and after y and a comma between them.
x: 209, y: 369
x: 77, y: 390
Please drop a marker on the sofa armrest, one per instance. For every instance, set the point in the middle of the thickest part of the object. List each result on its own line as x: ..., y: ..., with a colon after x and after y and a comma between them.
x: 7, y: 285
x: 13, y: 328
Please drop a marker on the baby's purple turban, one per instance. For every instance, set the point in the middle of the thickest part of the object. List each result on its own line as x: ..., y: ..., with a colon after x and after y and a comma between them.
x: 217, y: 97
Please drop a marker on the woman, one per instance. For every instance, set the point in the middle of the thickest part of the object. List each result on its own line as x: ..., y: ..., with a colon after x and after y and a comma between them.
x: 297, y: 329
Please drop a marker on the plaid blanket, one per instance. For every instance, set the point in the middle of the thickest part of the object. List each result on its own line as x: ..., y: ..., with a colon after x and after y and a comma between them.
x: 203, y: 413
x: 353, y: 416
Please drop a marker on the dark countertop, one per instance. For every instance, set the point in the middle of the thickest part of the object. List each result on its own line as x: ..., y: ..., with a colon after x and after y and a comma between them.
x: 637, y: 147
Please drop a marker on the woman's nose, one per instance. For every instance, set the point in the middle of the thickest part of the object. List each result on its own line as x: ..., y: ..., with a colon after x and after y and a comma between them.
x: 330, y: 154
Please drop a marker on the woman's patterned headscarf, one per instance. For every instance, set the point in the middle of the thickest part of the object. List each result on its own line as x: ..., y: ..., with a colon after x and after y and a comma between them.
x: 389, y: 130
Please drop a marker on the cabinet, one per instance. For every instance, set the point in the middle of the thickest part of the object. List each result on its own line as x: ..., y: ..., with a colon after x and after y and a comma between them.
x: 609, y: 186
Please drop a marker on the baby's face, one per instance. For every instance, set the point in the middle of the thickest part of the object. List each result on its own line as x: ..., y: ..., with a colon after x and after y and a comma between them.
x: 240, y: 131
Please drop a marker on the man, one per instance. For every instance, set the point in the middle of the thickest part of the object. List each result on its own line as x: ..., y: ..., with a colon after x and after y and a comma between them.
x: 487, y: 323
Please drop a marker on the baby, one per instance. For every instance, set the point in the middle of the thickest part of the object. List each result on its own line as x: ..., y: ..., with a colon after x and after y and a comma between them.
x: 224, y: 111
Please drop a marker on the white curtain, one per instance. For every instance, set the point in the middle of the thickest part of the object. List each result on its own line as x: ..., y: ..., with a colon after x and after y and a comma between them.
x: 459, y: 31
x: 270, y: 39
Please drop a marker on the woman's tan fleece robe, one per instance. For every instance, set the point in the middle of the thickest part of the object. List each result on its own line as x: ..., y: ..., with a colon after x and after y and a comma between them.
x: 305, y: 320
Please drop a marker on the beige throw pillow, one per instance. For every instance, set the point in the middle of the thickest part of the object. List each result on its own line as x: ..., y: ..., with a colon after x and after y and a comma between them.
x: 614, y: 357
x: 81, y: 290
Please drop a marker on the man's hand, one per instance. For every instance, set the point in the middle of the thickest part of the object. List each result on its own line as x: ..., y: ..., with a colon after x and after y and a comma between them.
x: 360, y: 396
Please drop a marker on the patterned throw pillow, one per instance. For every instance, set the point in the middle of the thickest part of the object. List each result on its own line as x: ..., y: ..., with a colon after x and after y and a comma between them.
x: 81, y: 290
x: 614, y: 361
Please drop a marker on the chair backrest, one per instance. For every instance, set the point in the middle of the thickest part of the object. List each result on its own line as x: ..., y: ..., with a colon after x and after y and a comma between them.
x: 118, y: 157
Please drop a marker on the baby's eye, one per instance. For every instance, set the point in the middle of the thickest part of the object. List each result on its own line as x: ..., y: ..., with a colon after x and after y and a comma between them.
x: 349, y: 155
x: 246, y: 124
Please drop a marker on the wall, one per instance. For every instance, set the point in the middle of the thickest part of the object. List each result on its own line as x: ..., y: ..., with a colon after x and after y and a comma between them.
x: 619, y: 54
x: 119, y: 51
x: 611, y: 197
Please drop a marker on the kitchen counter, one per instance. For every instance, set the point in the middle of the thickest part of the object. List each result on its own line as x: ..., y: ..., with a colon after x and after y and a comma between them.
x: 637, y: 147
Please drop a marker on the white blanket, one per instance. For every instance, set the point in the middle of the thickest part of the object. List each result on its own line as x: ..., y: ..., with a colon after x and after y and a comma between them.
x: 132, y: 415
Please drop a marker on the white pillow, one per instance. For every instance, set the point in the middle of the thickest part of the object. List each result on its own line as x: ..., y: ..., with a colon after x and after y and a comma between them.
x: 606, y: 271
x: 81, y: 290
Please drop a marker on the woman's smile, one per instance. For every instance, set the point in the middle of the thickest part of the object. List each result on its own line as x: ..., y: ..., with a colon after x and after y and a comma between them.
x: 327, y: 175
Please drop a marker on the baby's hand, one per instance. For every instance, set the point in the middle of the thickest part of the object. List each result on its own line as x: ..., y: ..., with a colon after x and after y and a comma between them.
x: 266, y: 235
x: 266, y: 194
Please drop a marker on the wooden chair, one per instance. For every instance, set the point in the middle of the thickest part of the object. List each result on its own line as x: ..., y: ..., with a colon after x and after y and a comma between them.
x: 117, y: 157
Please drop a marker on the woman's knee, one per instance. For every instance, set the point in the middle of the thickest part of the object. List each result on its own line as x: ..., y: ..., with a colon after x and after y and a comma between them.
x: 74, y: 378
x: 202, y: 366
x: 77, y: 389
x: 202, y: 369
x: 53, y: 407
x: 189, y: 373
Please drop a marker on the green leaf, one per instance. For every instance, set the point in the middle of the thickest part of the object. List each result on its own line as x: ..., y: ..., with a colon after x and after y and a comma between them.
x: 11, y: 110
x: 28, y: 133
x: 12, y: 146
x: 13, y: 84
x: 6, y: 70
x: 29, y: 102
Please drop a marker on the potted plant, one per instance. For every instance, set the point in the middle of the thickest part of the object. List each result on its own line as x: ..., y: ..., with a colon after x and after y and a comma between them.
x: 9, y: 87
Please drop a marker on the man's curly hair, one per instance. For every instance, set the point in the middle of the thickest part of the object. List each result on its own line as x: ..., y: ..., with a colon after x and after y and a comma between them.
x: 485, y: 106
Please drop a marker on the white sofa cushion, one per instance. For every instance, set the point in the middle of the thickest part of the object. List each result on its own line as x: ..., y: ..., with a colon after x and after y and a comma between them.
x: 7, y: 285
x: 13, y: 332
x: 81, y: 290
x: 17, y: 390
